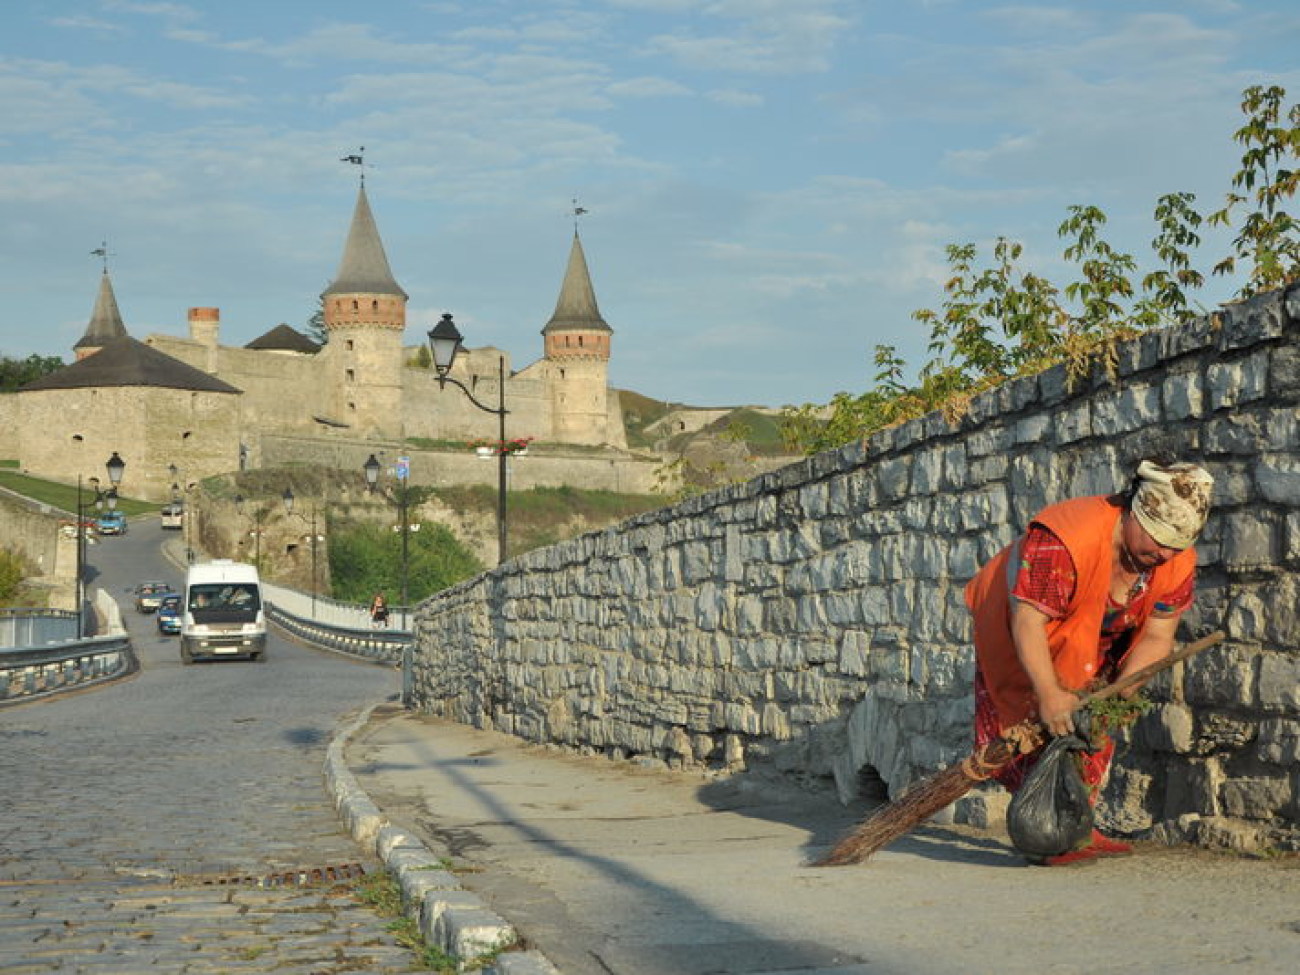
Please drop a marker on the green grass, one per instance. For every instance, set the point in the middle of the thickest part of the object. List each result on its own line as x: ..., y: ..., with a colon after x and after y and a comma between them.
x: 64, y: 496
x: 544, y: 515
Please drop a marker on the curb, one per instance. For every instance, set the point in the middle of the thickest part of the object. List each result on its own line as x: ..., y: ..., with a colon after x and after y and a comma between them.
x: 448, y: 916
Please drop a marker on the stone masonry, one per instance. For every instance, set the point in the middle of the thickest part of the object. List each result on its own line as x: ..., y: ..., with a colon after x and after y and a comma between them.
x: 811, y: 621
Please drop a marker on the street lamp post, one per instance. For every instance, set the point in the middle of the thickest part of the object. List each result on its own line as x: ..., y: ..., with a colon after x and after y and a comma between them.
x: 187, y: 510
x: 259, y: 517
x: 115, y: 466
x: 288, y: 499
x: 445, y: 343
x: 371, y: 468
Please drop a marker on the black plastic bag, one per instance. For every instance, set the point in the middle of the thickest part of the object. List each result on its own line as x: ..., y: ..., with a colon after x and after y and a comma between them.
x: 1051, y: 814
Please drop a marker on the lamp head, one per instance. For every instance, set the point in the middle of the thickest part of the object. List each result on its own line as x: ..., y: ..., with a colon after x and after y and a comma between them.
x: 116, y: 465
x: 444, y: 343
x: 287, y: 498
x: 371, y: 467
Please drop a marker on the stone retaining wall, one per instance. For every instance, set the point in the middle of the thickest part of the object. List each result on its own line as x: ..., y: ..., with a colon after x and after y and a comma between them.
x: 811, y: 621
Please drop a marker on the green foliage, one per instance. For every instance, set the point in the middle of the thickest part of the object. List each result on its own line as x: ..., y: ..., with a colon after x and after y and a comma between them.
x: 1267, y: 240
x: 315, y: 328
x: 15, y: 373
x: 423, y: 358
x: 545, y: 515
x: 366, y: 558
x: 12, y: 574
x: 1163, y: 301
x: 997, y: 322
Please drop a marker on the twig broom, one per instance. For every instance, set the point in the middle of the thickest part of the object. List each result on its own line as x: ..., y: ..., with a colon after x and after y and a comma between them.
x: 932, y: 794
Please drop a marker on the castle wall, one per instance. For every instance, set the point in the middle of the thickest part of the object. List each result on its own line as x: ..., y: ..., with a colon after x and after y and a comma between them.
x: 553, y: 467
x: 282, y: 390
x: 812, y: 621
x: 9, y: 414
x: 447, y: 413
x: 32, y: 529
x: 64, y: 433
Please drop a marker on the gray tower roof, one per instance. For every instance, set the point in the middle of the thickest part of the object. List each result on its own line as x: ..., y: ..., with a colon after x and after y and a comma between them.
x: 364, y: 268
x: 283, y: 338
x: 125, y: 361
x: 105, y: 321
x: 576, y: 308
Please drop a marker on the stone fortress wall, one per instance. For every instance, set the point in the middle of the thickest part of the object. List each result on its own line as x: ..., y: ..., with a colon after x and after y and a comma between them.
x: 811, y: 621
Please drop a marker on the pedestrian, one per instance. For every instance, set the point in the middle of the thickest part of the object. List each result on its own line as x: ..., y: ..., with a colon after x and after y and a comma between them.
x: 379, y: 610
x: 1093, y: 590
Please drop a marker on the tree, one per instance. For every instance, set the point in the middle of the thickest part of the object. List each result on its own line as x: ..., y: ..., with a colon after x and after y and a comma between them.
x: 998, y: 323
x: 15, y: 373
x: 315, y: 328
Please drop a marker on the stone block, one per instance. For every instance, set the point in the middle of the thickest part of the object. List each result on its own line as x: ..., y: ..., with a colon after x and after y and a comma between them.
x: 1279, y: 742
x: 1167, y: 728
x: 1279, y: 680
x: 1255, y: 797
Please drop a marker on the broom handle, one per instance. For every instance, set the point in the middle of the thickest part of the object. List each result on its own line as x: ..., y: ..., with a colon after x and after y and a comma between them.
x: 1140, y: 675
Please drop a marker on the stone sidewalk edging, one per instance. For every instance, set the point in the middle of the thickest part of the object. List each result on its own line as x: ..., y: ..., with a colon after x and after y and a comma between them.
x: 448, y: 915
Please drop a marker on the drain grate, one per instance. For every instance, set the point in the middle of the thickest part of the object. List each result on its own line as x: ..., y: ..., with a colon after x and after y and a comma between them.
x: 307, y: 877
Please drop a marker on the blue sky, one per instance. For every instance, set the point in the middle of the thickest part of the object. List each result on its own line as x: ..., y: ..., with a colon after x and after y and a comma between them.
x: 770, y: 184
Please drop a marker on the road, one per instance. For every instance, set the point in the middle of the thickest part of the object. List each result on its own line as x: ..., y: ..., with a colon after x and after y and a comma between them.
x: 140, y: 822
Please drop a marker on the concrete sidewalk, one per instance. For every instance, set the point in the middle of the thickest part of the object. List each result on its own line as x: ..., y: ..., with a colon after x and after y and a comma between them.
x: 606, y: 867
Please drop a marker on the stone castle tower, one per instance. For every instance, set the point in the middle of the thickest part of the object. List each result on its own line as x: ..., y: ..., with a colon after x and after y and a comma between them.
x: 576, y: 352
x: 365, y: 314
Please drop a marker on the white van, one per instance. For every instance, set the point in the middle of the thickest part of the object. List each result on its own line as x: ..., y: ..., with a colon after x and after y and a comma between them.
x: 223, y: 614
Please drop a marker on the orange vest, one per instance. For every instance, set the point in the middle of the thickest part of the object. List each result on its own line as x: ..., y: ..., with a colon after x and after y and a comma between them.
x: 1086, y: 528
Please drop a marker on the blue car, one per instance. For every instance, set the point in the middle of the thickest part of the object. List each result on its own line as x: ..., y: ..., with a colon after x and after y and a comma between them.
x: 111, y: 523
x: 169, y: 614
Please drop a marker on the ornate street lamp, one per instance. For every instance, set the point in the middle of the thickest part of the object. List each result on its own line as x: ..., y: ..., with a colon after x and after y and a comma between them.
x: 371, y: 468
x: 259, y: 517
x: 116, y: 467
x: 444, y: 344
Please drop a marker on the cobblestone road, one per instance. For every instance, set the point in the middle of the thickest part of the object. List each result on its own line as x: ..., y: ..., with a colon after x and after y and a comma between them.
x: 136, y: 819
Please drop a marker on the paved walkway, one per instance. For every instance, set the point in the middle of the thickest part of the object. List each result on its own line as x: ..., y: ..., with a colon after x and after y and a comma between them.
x: 610, y: 867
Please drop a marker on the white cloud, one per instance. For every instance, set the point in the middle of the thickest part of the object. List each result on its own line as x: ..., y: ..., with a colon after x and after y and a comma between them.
x: 736, y: 98
x: 647, y: 87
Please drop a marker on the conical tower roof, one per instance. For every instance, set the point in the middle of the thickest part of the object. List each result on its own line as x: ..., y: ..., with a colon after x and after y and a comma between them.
x: 576, y: 308
x: 364, y: 268
x: 105, y: 321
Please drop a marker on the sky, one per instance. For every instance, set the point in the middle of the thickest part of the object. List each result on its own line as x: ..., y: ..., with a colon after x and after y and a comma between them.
x: 769, y: 186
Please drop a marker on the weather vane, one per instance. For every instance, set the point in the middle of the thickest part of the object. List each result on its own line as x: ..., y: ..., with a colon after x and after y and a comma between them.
x: 102, y: 252
x: 357, y: 159
x: 577, y: 212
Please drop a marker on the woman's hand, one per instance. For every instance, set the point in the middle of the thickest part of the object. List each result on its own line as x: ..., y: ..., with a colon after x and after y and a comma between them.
x: 1056, y: 708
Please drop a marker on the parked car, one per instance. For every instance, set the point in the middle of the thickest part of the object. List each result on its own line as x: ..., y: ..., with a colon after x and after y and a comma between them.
x: 148, y: 596
x: 111, y: 523
x: 173, y: 515
x: 169, y: 614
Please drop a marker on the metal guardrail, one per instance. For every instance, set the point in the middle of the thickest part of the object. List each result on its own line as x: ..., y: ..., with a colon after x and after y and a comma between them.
x: 30, y: 672
x: 331, y: 612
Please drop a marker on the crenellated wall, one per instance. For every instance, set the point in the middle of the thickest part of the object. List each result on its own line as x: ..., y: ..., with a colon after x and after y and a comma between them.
x: 811, y: 621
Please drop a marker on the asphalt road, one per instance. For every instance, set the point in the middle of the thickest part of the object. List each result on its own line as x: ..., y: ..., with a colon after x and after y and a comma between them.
x: 139, y: 821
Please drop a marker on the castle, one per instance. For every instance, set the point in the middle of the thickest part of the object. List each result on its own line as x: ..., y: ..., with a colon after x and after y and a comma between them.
x: 179, y: 409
